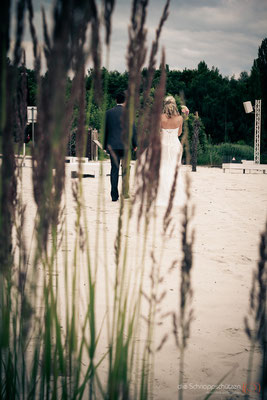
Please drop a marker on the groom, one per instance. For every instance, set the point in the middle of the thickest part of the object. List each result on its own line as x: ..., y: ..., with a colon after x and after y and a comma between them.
x: 113, y: 143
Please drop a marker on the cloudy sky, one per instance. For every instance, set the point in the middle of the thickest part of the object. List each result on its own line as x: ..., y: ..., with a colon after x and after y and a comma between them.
x: 224, y: 33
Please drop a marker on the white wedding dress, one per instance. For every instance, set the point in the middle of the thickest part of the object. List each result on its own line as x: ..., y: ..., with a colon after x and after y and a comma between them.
x: 171, y: 154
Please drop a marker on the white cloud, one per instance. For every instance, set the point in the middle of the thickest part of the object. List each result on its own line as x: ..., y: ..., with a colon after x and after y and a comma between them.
x: 224, y: 33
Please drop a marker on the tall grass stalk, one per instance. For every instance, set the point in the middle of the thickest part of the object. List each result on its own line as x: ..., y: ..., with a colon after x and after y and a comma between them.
x: 182, y: 319
x: 255, y: 322
x: 186, y: 292
x: 138, y: 19
x: 47, y: 186
x: 8, y: 200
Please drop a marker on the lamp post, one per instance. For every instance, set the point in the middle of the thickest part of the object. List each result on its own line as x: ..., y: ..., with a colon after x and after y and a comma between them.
x: 257, y: 128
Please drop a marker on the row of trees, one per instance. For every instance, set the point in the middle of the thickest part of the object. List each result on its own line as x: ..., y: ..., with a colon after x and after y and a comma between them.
x: 218, y: 100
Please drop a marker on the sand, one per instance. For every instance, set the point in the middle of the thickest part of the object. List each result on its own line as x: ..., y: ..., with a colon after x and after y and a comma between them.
x: 230, y: 214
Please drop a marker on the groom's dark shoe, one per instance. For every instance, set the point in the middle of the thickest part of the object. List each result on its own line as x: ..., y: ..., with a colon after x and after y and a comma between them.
x: 114, y: 195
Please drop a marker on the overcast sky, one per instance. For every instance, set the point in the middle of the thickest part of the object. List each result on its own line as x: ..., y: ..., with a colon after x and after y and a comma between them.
x: 224, y: 33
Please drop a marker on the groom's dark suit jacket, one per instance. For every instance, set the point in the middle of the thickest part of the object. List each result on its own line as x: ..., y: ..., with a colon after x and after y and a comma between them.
x: 113, y: 130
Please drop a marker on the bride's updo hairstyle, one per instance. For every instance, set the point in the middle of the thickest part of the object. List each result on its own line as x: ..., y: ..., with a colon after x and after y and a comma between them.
x: 170, y: 107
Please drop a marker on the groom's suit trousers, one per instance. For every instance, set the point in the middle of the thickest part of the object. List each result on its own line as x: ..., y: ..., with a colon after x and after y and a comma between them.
x: 114, y: 144
x: 115, y: 157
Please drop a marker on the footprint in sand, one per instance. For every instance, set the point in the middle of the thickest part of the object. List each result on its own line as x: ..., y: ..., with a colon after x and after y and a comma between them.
x: 233, y: 331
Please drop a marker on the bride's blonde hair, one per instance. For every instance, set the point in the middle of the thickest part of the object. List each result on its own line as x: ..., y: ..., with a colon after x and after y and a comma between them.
x: 170, y: 107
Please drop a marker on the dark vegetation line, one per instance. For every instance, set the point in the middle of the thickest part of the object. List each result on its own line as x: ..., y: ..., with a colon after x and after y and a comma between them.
x: 218, y: 100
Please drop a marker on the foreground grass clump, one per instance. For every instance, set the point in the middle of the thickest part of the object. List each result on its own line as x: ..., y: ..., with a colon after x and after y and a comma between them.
x: 63, y: 359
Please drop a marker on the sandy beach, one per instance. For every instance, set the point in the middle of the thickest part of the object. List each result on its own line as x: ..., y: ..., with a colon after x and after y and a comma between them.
x: 230, y: 214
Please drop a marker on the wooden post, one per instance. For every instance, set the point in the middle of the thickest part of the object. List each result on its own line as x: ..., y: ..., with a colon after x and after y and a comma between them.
x: 94, y: 146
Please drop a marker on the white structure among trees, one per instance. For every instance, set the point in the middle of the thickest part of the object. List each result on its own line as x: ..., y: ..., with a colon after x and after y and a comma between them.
x: 257, y: 137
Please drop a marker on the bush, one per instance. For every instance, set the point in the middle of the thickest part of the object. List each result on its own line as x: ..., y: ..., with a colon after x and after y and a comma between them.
x: 239, y: 151
x: 202, y: 137
x: 264, y: 158
x: 224, y: 152
x: 209, y: 156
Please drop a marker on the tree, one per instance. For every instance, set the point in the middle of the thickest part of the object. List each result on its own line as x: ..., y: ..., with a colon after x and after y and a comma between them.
x: 218, y: 100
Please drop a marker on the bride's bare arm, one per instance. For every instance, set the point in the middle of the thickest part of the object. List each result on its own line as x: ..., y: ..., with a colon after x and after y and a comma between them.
x: 180, y: 125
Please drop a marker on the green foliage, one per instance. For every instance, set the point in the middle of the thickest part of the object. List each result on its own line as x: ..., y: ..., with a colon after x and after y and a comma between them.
x: 202, y: 137
x: 261, y: 80
x: 224, y: 152
x: 32, y: 87
x: 218, y: 100
x: 236, y: 150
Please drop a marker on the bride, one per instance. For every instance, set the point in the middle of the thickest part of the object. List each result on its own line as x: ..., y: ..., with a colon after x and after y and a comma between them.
x: 171, y: 154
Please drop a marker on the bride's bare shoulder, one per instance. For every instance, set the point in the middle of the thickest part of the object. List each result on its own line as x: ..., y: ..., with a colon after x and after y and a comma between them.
x: 170, y: 123
x: 163, y: 117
